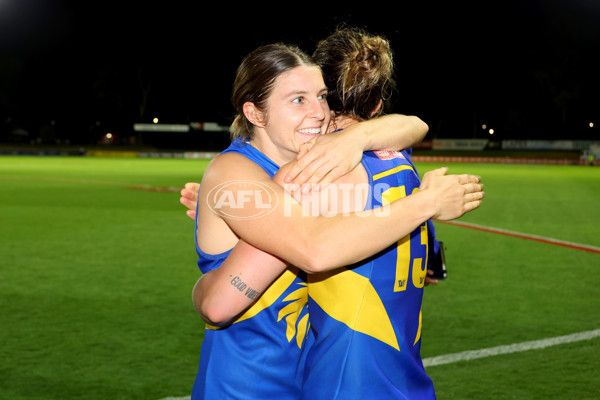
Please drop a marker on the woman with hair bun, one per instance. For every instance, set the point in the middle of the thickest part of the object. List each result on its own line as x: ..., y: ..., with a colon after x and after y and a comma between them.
x: 366, y: 317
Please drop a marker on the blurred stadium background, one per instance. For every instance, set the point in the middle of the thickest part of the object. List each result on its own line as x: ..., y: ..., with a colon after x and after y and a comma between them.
x: 88, y: 74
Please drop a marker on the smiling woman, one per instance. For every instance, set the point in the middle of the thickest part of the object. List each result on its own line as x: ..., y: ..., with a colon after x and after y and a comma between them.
x: 291, y: 101
x: 297, y: 112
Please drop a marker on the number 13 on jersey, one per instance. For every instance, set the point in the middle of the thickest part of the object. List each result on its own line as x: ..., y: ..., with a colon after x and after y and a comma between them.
x: 404, y: 258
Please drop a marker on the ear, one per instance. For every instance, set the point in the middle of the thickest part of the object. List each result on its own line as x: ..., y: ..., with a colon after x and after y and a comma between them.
x: 377, y: 108
x: 253, y: 114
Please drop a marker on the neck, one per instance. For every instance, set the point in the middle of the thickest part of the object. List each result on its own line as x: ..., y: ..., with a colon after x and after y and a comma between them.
x: 278, y: 155
x: 341, y: 122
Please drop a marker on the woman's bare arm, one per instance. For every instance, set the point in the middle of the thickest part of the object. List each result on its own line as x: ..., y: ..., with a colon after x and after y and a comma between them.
x: 308, y: 242
x: 217, y: 296
x: 330, y: 156
x: 223, y: 293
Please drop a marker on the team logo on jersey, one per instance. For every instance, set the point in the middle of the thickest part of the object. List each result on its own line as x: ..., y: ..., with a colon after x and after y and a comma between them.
x: 297, y: 324
x: 388, y: 155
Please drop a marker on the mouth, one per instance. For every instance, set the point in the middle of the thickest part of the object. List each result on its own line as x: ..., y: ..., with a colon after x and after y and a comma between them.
x: 310, y: 131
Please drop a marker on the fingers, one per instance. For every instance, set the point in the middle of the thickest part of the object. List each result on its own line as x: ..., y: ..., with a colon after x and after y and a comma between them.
x: 191, y: 207
x: 429, y: 176
x: 191, y: 214
x: 473, y: 187
x: 320, y: 180
x: 472, y: 200
x: 462, y: 179
x: 188, y: 194
x: 188, y: 199
x: 438, y: 171
x: 469, y: 197
x: 187, y: 202
x: 303, y: 175
x: 304, y: 148
x: 429, y: 280
x: 315, y: 175
x: 314, y: 172
x: 470, y: 206
x: 302, y: 169
x: 304, y: 159
x: 467, y: 178
x: 192, y: 187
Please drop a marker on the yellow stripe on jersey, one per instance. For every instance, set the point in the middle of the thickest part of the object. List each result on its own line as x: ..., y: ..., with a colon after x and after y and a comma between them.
x: 392, y: 171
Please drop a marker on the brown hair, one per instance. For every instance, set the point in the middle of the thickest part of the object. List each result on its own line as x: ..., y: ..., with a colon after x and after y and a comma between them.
x: 358, y: 71
x: 255, y: 78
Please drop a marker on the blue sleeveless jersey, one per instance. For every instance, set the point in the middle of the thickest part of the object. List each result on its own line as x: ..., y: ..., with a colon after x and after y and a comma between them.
x: 261, y: 354
x: 367, y: 318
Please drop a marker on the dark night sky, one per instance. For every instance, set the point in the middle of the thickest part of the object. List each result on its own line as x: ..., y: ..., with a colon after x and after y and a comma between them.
x: 529, y: 68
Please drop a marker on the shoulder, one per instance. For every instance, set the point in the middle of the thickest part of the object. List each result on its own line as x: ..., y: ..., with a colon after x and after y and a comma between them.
x: 232, y: 166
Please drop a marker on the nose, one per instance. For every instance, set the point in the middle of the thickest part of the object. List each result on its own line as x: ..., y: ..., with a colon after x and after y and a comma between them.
x: 319, y: 109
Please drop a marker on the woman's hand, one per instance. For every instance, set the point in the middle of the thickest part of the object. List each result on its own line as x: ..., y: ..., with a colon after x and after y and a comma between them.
x: 325, y: 159
x: 453, y: 195
x: 189, y: 198
x: 329, y: 157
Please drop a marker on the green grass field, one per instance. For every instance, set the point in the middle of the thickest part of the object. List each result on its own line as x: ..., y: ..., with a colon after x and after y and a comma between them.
x: 97, y: 264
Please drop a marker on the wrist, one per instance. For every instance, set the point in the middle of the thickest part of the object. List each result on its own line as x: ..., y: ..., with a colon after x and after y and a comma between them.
x: 427, y: 205
x: 366, y: 136
x: 361, y: 132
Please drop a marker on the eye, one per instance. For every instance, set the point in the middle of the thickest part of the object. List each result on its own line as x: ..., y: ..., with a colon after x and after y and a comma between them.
x: 298, y: 100
x: 323, y: 96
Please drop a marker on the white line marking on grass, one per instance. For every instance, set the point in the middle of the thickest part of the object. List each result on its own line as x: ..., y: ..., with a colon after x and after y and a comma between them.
x: 508, y: 349
x: 542, y: 239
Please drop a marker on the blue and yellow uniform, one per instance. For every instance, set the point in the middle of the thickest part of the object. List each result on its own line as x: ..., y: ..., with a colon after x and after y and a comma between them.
x: 260, y: 355
x: 367, y: 318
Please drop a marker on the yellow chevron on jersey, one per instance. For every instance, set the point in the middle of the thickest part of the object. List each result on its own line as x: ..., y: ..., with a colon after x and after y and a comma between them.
x: 362, y: 310
x: 292, y: 311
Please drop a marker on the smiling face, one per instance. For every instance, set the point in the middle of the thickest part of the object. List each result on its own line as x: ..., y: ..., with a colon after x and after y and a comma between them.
x: 297, y: 111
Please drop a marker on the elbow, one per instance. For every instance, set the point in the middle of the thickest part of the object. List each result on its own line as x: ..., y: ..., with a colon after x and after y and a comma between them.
x: 421, y: 127
x: 315, y: 256
x: 210, y: 311
x: 213, y: 316
x: 424, y: 127
x: 312, y: 265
